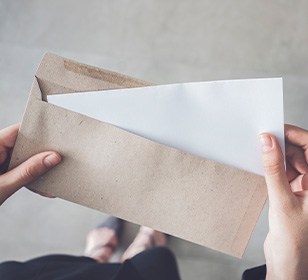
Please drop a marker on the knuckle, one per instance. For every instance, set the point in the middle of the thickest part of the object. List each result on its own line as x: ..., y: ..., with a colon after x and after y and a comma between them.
x: 272, y: 168
x: 28, y: 173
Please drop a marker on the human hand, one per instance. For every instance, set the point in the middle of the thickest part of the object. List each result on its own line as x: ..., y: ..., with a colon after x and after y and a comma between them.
x: 286, y: 245
x: 26, y: 172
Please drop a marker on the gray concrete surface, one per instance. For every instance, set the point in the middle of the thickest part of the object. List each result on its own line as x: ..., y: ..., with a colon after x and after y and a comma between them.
x: 159, y: 41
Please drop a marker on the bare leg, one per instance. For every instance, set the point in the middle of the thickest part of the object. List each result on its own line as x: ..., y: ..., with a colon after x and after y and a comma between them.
x: 100, y: 244
x: 145, y: 239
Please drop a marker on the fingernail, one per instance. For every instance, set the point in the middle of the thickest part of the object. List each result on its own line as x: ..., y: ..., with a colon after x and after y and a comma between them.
x: 266, y: 142
x: 51, y: 160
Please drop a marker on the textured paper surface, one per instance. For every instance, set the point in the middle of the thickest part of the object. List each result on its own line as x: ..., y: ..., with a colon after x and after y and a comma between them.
x: 119, y: 173
x: 218, y: 120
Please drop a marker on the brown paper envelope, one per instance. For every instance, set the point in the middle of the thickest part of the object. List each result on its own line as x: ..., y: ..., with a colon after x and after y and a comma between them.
x: 125, y: 175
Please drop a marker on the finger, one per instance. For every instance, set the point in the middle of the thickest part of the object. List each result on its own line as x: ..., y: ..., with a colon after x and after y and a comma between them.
x: 300, y: 183
x: 296, y: 158
x: 305, y: 182
x: 278, y: 187
x: 302, y: 194
x: 8, y: 138
x: 296, y: 135
x: 27, y: 172
x: 291, y: 172
x: 296, y: 184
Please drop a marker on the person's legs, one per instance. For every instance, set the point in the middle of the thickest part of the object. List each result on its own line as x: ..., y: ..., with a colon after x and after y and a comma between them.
x: 156, y: 263
x: 148, y: 254
x: 255, y: 273
x: 103, y: 240
x: 150, y: 257
x: 145, y: 239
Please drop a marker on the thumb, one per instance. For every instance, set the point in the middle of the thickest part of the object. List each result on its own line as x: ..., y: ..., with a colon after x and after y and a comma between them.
x: 278, y: 187
x: 27, y: 172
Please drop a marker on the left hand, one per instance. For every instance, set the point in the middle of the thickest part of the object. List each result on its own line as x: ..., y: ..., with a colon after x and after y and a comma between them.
x: 25, y: 173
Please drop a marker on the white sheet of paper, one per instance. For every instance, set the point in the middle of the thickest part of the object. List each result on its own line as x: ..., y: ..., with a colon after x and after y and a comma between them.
x: 218, y: 120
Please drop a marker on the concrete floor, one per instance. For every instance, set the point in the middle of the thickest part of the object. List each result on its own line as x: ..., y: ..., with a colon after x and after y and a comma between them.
x: 162, y: 42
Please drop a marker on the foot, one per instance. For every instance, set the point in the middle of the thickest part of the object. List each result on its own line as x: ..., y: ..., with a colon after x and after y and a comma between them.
x: 102, y: 241
x: 145, y: 239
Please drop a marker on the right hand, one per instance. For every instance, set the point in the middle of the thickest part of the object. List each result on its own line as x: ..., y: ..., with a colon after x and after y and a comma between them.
x: 286, y: 245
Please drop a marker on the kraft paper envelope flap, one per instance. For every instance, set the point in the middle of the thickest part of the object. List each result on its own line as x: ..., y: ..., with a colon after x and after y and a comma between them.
x: 125, y: 175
